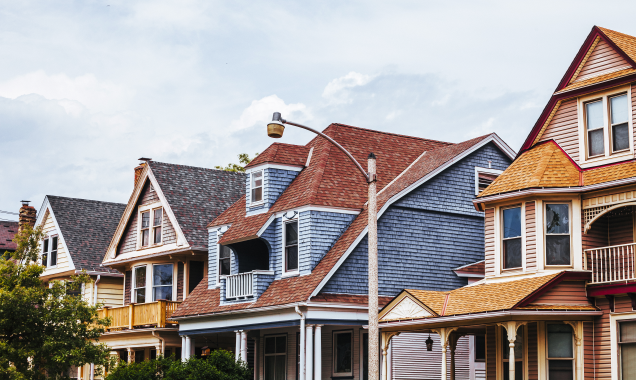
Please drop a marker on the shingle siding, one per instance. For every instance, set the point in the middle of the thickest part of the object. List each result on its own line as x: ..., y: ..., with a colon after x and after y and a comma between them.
x: 273, y: 235
x: 275, y: 181
x: 318, y: 231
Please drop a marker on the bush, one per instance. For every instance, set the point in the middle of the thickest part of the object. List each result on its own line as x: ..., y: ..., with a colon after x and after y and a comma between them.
x: 219, y: 365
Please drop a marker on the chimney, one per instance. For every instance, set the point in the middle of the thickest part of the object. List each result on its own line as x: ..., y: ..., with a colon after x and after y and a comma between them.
x: 139, y: 168
x: 27, y: 215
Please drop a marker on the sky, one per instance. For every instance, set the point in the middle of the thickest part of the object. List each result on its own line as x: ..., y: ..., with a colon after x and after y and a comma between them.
x: 88, y: 87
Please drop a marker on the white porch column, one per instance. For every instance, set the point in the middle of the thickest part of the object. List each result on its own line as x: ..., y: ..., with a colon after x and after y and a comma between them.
x: 237, y: 350
x: 511, y: 330
x: 444, y: 333
x: 318, y: 353
x: 244, y: 345
x: 183, y: 348
x: 92, y: 369
x: 131, y: 355
x: 186, y: 350
x: 384, y: 347
x: 301, y: 365
x: 577, y: 328
x: 309, y: 352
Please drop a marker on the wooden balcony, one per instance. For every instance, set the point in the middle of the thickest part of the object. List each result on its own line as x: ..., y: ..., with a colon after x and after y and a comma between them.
x: 140, y: 315
x: 611, y: 264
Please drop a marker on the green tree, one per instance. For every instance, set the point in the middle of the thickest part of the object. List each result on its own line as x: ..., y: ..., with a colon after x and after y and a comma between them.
x: 244, y: 159
x: 44, y: 330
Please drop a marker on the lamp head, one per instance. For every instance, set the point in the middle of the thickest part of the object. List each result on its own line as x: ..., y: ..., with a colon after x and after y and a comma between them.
x: 275, y: 128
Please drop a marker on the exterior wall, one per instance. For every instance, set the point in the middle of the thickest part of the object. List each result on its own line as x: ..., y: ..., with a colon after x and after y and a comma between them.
x: 491, y: 353
x: 589, y: 357
x: 127, y: 286
x: 621, y: 228
x: 533, y: 368
x: 412, y: 361
x: 180, y: 281
x: 275, y: 181
x: 604, y: 59
x: 489, y: 238
x: 564, y: 129
x: 273, y: 236
x: 110, y: 291
x: 564, y: 293
x: 531, y: 237
x: 602, y: 346
x: 318, y: 231
x: 63, y: 259
x: 213, y: 237
x: 292, y: 352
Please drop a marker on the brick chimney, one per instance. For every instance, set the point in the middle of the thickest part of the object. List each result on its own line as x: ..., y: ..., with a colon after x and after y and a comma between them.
x: 140, y: 168
x: 27, y: 215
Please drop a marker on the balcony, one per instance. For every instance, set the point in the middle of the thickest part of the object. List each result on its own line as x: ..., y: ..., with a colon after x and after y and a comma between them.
x: 248, y: 285
x: 611, y: 264
x: 140, y: 315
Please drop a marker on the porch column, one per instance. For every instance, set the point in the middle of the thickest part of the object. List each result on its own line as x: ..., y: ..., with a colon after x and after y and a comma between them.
x: 158, y: 350
x: 309, y: 351
x: 237, y: 350
x: 186, y: 350
x: 318, y: 353
x: 92, y: 371
x: 384, y: 347
x: 301, y: 364
x: 183, y: 348
x: 244, y: 345
x: 577, y: 328
x: 511, y: 330
x: 444, y: 334
x: 131, y: 355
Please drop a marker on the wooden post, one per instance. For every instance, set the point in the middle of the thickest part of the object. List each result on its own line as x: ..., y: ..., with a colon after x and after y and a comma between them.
x: 131, y: 319
x: 161, y: 313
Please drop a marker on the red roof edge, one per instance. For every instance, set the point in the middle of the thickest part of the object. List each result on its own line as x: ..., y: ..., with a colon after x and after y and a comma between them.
x: 565, y: 275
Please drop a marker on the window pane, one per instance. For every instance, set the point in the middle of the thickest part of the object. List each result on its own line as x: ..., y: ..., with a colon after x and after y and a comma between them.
x: 594, y: 114
x: 53, y: 258
x: 628, y: 331
x: 46, y: 246
x: 145, y: 234
x: 225, y: 267
x: 596, y: 144
x: 292, y: 257
x: 270, y: 367
x: 157, y: 218
x: 557, y: 219
x: 557, y: 249
x: 162, y: 274
x: 620, y: 137
x: 618, y: 105
x: 163, y: 293
x: 140, y: 295
x: 480, y: 348
x: 281, y: 343
x: 628, y: 360
x: 145, y: 219
x: 560, y: 369
x: 225, y: 252
x: 518, y: 371
x: 140, y: 277
x: 560, y: 341
x: 343, y: 352
x: 270, y: 345
x: 257, y: 194
x: 512, y: 222
x: 280, y: 367
x: 157, y: 235
x: 512, y: 253
x: 291, y: 233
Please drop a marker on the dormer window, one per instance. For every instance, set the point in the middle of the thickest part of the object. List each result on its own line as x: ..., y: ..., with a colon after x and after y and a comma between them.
x: 150, y: 227
x: 257, y: 187
x: 291, y: 246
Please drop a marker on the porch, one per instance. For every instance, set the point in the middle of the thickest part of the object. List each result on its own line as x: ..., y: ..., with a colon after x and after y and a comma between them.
x: 141, y: 315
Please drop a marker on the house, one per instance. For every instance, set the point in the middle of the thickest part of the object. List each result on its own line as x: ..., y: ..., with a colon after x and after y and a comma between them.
x: 8, y: 230
x: 286, y: 286
x: 160, y: 244
x: 76, y: 234
x: 559, y: 292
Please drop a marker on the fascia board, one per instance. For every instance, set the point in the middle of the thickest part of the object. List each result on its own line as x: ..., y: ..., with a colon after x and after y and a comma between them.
x: 61, y: 236
x: 45, y: 205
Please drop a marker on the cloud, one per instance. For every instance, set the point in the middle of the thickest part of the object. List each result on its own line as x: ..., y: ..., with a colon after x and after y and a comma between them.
x: 338, y: 90
x: 260, y: 112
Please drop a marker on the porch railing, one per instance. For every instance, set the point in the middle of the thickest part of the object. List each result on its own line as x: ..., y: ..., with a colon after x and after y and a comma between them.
x: 140, y: 315
x: 239, y: 285
x: 610, y: 264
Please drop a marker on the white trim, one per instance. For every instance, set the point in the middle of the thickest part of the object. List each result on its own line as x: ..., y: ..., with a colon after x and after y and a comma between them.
x: 267, y: 223
x: 295, y: 168
x: 39, y: 220
x: 251, y: 188
x: 544, y: 231
x: 257, y: 212
x: 284, y: 271
x: 486, y: 171
x: 615, y: 361
x: 334, y: 374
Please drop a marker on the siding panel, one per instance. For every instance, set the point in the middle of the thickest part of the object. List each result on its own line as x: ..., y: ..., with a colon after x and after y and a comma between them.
x: 603, y: 60
x: 533, y: 368
x: 621, y: 227
x: 602, y: 345
x: 564, y: 129
x: 110, y: 291
x: 491, y: 353
x: 531, y: 237
x: 490, y: 241
x: 564, y: 293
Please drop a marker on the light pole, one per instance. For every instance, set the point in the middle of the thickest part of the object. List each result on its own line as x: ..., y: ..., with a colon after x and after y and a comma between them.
x: 275, y: 129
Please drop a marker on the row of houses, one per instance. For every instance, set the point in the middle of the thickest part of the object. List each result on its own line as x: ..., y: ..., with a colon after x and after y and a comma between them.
x: 492, y: 264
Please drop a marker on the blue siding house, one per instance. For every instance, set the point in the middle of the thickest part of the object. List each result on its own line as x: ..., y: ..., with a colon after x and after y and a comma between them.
x: 286, y: 286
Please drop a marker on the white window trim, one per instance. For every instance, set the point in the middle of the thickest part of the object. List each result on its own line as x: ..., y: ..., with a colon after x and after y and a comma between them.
x: 284, y: 272
x: 335, y: 374
x: 150, y: 208
x: 615, y: 360
x: 262, y: 201
x: 545, y: 234
x: 286, y: 351
x: 500, y: 236
x: 174, y: 280
x: 608, y: 157
x: 361, y: 355
x: 133, y: 280
x: 48, y: 254
x: 485, y: 171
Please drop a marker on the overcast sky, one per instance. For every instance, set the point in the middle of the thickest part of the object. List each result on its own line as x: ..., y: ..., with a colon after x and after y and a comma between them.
x: 88, y: 87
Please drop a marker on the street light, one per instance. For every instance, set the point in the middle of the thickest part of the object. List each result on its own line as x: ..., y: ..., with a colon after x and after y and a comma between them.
x: 275, y: 129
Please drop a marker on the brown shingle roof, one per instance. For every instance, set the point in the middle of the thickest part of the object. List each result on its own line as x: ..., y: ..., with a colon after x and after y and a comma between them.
x: 7, y: 233
x: 624, y: 41
x: 279, y: 153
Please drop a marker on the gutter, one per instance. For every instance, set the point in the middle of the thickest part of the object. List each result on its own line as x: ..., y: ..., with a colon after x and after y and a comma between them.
x: 242, y: 311
x: 153, y: 255
x: 301, y: 364
x: 163, y: 342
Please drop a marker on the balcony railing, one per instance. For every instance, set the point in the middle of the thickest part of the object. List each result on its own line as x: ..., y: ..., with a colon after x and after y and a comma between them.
x: 239, y: 285
x: 140, y: 315
x: 610, y: 264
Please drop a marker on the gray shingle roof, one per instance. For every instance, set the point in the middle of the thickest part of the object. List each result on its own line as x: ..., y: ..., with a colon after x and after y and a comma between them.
x: 197, y: 196
x: 87, y: 227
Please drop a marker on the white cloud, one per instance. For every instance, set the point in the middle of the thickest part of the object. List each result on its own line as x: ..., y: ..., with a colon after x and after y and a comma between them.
x: 337, y: 91
x: 260, y: 112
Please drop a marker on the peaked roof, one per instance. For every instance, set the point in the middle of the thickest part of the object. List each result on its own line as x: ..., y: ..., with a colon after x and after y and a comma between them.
x: 7, y: 233
x: 299, y: 289
x: 86, y: 227
x: 280, y: 153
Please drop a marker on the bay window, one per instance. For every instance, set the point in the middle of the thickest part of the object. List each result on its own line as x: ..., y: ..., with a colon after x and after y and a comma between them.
x: 557, y: 234
x: 291, y: 246
x: 511, y: 242
x: 139, y: 284
x: 162, y: 282
x: 560, y: 352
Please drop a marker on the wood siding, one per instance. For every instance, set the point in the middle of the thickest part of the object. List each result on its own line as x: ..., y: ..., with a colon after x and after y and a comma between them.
x: 489, y: 223
x: 491, y: 353
x: 604, y: 59
x: 602, y: 345
x: 620, y: 228
x: 634, y: 107
x: 564, y: 293
x: 180, y: 281
x: 588, y: 350
x: 596, y: 236
x: 110, y: 291
x: 48, y: 227
x: 531, y: 237
x: 533, y: 365
x: 168, y: 233
x: 410, y: 360
x: 564, y: 129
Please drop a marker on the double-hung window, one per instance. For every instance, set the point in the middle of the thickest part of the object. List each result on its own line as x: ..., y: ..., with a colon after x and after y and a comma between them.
x: 151, y: 223
x: 505, y: 349
x: 627, y: 349
x: 225, y: 268
x: 511, y: 242
x: 560, y: 352
x: 342, y: 353
x: 606, y: 125
x: 275, y: 357
x: 162, y: 282
x: 49, y: 251
x: 291, y: 246
x: 257, y: 186
x: 145, y: 229
x: 156, y: 225
x: 557, y: 234
x: 139, y: 284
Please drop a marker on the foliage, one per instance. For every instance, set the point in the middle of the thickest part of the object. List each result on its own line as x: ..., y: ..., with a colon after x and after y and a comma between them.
x: 244, y: 159
x: 219, y: 365
x: 44, y: 330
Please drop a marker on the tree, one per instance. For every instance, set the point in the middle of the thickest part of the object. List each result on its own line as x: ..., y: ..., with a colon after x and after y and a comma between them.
x: 44, y: 330
x: 244, y: 159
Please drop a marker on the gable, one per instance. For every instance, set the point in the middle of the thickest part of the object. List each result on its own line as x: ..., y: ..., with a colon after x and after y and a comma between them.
x: 600, y: 59
x: 49, y: 227
x: 405, y: 307
x: 563, y: 293
x: 563, y: 128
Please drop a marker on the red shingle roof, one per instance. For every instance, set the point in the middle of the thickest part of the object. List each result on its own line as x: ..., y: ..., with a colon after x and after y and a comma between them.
x: 279, y: 153
x: 7, y: 232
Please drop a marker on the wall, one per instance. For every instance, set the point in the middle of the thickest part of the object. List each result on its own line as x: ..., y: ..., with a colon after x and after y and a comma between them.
x: 489, y: 241
x: 564, y: 129
x: 318, y: 231
x: 412, y: 361
x: 531, y: 237
x: 491, y: 353
x: 110, y: 291
x: 603, y: 59
x: 275, y: 181
x: 533, y: 369
x: 63, y: 259
x: 564, y: 293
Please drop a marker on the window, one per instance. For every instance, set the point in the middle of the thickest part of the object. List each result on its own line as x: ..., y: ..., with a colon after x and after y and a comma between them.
x: 49, y: 252
x: 291, y: 246
x: 139, y: 284
x: 595, y: 128
x: 619, y: 114
x: 224, y: 261
x: 162, y: 282
x: 275, y: 357
x: 480, y: 348
x: 511, y: 244
x: 627, y: 349
x: 151, y: 223
x: 156, y: 225
x: 505, y: 349
x: 557, y: 234
x: 145, y: 228
x: 606, y: 124
x: 560, y: 352
x: 484, y: 177
x: 257, y: 187
x: 343, y: 353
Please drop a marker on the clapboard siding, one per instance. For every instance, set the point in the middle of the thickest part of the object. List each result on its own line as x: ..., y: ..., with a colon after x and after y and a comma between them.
x: 533, y: 368
x: 602, y: 345
x: 491, y: 353
x: 148, y: 195
x: 127, y: 286
x: 620, y: 228
x: 180, y: 281
x: 490, y: 241
x: 588, y: 350
x: 597, y: 235
x: 634, y: 107
x: 110, y: 291
x: 48, y: 227
x: 564, y: 129
x: 564, y: 293
x: 531, y: 237
x: 603, y: 59
x: 128, y: 243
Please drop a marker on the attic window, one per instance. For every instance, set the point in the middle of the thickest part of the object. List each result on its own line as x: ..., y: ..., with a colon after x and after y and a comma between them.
x: 257, y: 187
x: 484, y: 177
x: 151, y: 221
x: 49, y: 252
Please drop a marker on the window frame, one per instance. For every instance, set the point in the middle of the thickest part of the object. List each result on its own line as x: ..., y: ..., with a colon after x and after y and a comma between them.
x: 293, y: 272
x: 219, y: 276
x: 265, y: 354
x: 49, y: 243
x: 547, y: 352
x: 262, y: 187
x: 484, y: 171
x: 521, y: 237
x: 335, y: 374
x: 608, y: 153
x: 150, y: 208
x: 152, y: 281
x: 620, y: 344
x: 362, y: 334
x: 545, y: 234
x: 133, y: 282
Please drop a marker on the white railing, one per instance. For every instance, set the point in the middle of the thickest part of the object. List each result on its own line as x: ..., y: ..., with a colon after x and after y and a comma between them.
x: 609, y: 264
x: 239, y: 285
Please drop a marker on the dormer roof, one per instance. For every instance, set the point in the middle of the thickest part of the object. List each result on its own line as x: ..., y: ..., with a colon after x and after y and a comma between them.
x: 281, y: 154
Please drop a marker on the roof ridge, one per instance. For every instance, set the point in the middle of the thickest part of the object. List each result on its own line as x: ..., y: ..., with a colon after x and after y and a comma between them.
x: 83, y: 199
x: 190, y: 166
x: 389, y: 133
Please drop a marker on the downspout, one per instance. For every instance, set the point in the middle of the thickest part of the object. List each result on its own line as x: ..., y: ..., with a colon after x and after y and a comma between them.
x: 163, y: 342
x: 301, y: 365
x: 99, y: 277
